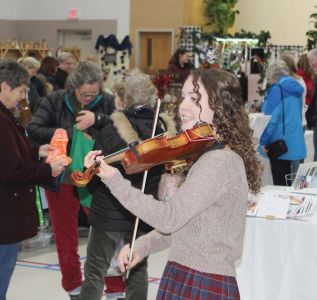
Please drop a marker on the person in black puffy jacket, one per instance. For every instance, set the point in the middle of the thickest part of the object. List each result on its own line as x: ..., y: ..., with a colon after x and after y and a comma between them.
x: 110, y: 222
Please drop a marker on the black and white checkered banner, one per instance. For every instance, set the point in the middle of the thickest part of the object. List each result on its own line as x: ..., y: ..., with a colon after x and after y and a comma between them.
x: 276, y: 50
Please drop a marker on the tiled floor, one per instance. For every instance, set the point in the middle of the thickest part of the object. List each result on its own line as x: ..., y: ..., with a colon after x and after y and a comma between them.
x: 37, y: 275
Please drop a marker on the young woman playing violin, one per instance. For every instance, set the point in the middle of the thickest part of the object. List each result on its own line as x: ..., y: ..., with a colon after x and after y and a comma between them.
x: 203, y: 222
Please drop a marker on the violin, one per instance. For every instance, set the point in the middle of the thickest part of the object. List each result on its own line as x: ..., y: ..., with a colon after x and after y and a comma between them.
x: 181, y: 149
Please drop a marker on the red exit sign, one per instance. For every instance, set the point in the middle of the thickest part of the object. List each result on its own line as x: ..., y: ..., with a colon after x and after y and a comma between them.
x: 73, y: 13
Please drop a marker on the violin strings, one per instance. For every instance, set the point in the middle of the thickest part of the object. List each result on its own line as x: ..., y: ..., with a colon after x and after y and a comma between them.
x: 127, y: 148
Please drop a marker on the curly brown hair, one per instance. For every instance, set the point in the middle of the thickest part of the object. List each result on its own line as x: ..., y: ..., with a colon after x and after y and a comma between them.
x: 230, y: 119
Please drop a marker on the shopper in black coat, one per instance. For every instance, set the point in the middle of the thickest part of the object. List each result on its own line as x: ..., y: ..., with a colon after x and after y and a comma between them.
x: 60, y: 110
x: 127, y: 126
x: 83, y: 104
x: 111, y: 222
x: 66, y: 63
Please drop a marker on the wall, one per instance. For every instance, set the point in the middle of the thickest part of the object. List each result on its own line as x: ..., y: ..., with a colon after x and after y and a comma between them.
x: 163, y: 15
x: 37, y: 30
x: 88, y: 10
x: 8, y: 29
x: 194, y: 13
x: 287, y: 20
x: 41, y: 19
x: 154, y: 15
x: 9, y: 10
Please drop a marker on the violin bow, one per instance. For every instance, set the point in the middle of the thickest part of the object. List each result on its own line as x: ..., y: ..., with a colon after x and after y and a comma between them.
x: 136, y: 224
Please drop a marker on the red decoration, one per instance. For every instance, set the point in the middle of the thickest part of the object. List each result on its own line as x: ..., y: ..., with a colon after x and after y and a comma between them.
x: 162, y: 83
x: 207, y: 65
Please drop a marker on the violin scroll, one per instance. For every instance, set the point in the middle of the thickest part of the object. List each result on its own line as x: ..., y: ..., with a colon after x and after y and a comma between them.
x: 81, y: 179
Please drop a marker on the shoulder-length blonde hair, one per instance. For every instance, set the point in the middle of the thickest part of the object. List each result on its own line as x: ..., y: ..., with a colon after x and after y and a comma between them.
x: 29, y: 62
x: 230, y: 119
x: 139, y: 90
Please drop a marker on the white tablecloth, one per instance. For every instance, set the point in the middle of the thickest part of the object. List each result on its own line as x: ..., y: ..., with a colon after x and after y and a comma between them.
x: 279, y: 260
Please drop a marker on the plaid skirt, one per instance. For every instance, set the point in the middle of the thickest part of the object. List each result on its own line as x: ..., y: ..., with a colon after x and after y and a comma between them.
x: 179, y: 283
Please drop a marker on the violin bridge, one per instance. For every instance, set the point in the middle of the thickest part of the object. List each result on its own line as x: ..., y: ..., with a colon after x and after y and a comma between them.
x: 178, y: 166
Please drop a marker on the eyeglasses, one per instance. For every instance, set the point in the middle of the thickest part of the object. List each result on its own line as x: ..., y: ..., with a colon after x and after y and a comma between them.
x: 87, y: 95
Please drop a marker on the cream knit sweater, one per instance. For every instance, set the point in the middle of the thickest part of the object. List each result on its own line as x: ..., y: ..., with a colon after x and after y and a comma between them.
x: 204, y: 222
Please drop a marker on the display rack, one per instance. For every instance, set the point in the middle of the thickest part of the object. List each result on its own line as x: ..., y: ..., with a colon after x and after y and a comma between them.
x: 15, y: 49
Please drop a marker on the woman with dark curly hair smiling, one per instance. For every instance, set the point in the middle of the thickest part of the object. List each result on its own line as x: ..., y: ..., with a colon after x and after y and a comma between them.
x: 203, y: 221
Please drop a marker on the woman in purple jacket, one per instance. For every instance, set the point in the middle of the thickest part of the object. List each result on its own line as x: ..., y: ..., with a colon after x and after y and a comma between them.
x: 180, y: 65
x: 21, y: 169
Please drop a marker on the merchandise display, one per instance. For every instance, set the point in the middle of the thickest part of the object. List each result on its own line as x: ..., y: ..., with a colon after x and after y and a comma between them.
x: 22, y: 48
x: 58, y: 147
x: 114, y: 58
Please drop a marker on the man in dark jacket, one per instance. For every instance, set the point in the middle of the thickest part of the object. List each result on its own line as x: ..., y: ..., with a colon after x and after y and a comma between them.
x: 20, y: 171
x: 66, y: 63
x: 82, y: 103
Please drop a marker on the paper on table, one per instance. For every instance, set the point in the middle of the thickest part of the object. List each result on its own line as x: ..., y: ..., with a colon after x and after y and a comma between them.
x: 306, y: 176
x: 252, y: 205
x: 258, y: 122
x: 304, y: 208
x: 275, y: 202
x: 273, y: 205
x: 252, y: 209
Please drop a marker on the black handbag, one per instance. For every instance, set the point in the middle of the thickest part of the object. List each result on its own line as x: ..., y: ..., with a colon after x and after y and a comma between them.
x: 278, y: 147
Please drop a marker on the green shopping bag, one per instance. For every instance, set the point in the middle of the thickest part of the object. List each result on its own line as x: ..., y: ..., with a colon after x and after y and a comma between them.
x: 79, y: 148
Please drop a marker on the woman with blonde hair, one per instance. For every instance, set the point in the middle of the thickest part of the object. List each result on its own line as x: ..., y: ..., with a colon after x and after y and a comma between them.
x: 118, y: 89
x: 111, y: 223
x: 36, y: 86
x: 30, y: 63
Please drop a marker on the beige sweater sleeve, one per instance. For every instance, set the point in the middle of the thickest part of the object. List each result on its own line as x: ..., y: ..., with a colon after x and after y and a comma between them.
x: 193, y: 196
x: 152, y: 242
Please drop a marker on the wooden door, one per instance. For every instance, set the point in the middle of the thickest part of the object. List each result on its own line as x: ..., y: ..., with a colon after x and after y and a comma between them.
x: 155, y: 51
